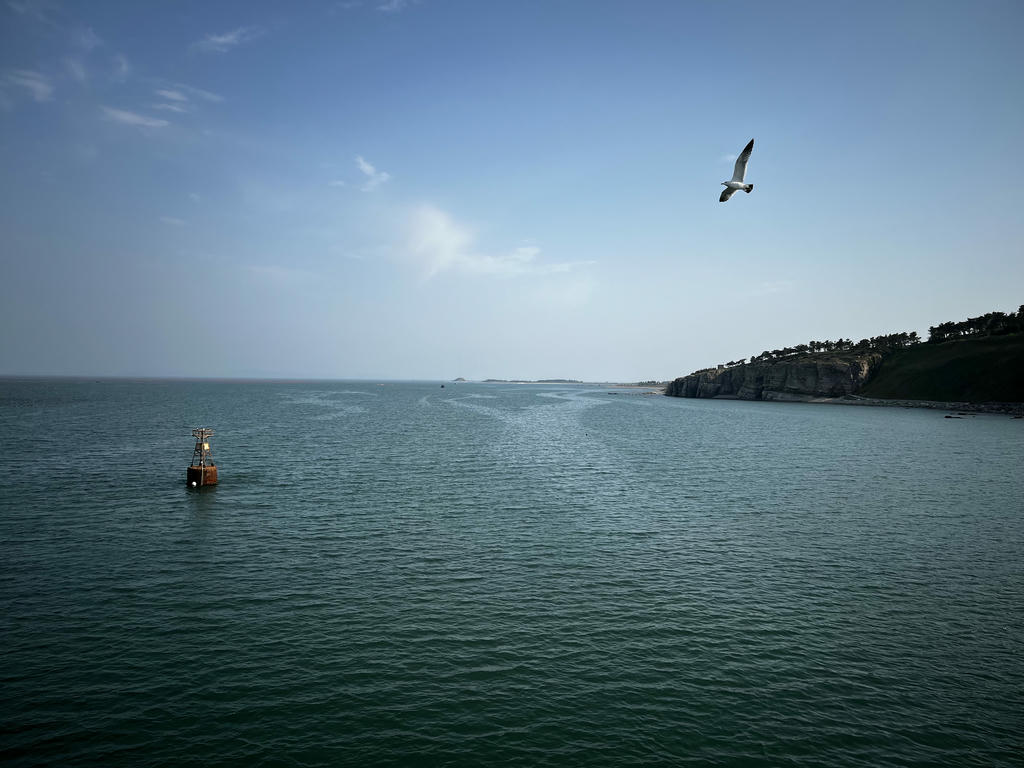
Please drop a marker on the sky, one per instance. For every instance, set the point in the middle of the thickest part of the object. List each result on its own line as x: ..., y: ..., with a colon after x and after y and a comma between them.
x: 431, y: 189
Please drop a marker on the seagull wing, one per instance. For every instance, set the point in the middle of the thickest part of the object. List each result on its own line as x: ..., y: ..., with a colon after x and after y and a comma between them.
x: 741, y: 162
x: 726, y: 194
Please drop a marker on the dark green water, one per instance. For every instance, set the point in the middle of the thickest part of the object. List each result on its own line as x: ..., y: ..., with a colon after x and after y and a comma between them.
x: 491, y: 575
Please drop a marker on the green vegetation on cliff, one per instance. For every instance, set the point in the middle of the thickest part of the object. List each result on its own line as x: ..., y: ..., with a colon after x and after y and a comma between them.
x: 974, y: 370
x: 978, y: 360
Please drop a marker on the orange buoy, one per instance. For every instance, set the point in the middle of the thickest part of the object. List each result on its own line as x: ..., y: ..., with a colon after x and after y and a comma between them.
x: 202, y: 470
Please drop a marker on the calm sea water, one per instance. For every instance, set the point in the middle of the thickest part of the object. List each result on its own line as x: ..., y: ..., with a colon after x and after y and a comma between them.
x: 497, y: 574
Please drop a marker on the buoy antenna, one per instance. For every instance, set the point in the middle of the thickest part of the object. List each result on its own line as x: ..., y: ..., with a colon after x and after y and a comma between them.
x: 202, y: 470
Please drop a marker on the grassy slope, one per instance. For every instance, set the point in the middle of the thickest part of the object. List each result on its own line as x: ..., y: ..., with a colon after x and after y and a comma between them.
x: 980, y: 370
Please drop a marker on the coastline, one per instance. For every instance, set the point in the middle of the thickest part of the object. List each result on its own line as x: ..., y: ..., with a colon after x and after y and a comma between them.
x: 939, y: 405
x: 1013, y: 409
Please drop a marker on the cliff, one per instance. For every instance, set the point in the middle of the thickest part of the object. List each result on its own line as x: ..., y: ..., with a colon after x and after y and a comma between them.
x: 978, y: 361
x: 974, y: 370
x: 796, y: 378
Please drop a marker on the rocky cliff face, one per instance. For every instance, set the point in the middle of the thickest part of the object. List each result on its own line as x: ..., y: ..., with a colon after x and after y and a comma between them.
x: 791, y: 379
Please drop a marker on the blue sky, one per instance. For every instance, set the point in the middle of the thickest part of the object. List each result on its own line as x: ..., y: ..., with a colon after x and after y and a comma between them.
x: 442, y: 188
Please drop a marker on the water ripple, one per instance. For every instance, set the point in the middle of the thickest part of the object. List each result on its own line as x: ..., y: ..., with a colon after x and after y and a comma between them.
x: 494, y: 575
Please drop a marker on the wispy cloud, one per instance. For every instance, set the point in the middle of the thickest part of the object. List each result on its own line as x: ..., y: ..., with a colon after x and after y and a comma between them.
x: 176, y: 101
x: 122, y: 68
x: 77, y: 69
x: 132, y: 118
x: 384, y: 6
x: 438, y: 243
x: 225, y: 42
x: 197, y: 93
x: 36, y: 83
x: 172, y: 95
x: 40, y: 10
x: 374, y: 178
x: 194, y: 197
x: 86, y: 39
x: 173, y: 221
x: 336, y: 183
x: 179, y: 98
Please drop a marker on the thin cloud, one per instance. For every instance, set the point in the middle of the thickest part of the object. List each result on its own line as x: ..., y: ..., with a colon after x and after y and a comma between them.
x: 172, y: 95
x: 179, y: 98
x: 77, y: 69
x: 86, y: 39
x: 132, y: 118
x: 173, y: 221
x: 336, y: 183
x: 35, y: 82
x: 374, y: 178
x: 39, y: 10
x: 396, y: 6
x: 198, y: 93
x: 228, y: 40
x: 176, y: 101
x: 122, y: 68
x: 439, y: 244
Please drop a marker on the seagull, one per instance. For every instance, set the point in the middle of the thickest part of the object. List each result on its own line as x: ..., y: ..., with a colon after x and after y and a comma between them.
x: 736, y: 183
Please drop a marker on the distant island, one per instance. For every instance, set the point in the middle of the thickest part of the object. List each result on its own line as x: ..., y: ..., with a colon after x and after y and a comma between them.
x: 975, y: 361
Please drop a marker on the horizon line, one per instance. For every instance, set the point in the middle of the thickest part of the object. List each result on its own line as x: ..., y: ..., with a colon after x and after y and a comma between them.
x: 301, y: 379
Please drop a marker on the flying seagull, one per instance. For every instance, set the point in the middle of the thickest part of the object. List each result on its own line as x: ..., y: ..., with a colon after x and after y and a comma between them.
x: 736, y: 183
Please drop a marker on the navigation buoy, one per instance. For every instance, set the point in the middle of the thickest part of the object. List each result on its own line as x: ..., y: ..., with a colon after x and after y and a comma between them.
x: 202, y: 470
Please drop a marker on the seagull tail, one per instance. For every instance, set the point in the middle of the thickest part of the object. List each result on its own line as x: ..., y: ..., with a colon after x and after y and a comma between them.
x: 750, y: 188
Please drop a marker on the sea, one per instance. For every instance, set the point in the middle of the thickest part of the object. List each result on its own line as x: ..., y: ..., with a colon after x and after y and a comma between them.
x: 500, y: 574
